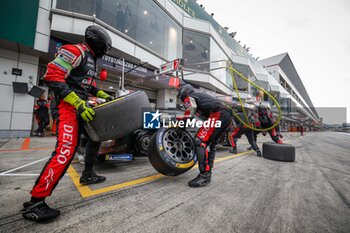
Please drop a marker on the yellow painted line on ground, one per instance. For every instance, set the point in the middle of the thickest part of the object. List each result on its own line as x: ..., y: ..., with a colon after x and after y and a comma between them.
x: 232, y: 156
x: 85, y: 191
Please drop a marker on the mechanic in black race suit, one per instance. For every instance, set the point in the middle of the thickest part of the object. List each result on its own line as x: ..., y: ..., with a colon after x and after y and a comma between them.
x: 265, y: 117
x: 42, y: 114
x: 65, y: 76
x: 254, y: 117
x: 239, y: 131
x: 206, y: 139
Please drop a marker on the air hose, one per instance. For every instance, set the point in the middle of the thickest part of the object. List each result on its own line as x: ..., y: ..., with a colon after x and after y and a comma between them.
x: 232, y: 72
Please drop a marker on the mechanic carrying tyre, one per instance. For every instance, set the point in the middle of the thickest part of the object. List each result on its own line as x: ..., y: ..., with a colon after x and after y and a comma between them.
x: 65, y: 76
x: 206, y: 138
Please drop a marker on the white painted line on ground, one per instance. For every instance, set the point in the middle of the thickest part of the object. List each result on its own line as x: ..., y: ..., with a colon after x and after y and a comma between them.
x: 347, y: 134
x: 22, y: 174
x: 26, y: 165
x: 19, y: 174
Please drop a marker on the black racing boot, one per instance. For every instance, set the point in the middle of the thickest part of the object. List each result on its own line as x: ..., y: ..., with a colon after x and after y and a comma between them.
x: 201, y: 180
x: 258, y: 153
x: 39, y: 212
x: 233, y: 150
x: 250, y: 148
x: 90, y: 177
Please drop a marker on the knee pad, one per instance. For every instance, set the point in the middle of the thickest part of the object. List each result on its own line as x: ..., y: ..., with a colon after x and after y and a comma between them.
x: 200, y: 149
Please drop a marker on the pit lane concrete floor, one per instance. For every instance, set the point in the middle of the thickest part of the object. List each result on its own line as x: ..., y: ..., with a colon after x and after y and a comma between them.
x: 247, y: 193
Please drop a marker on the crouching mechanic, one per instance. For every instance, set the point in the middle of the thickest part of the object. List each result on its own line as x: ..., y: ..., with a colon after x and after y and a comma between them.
x: 239, y: 131
x: 206, y: 139
x: 254, y: 119
x: 266, y: 121
x: 66, y: 75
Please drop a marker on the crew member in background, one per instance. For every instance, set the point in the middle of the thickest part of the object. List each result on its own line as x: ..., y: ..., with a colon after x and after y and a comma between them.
x: 54, y: 115
x: 266, y: 121
x: 42, y: 116
x: 301, y: 129
x: 65, y: 76
x: 239, y: 131
x: 254, y: 118
x: 206, y: 139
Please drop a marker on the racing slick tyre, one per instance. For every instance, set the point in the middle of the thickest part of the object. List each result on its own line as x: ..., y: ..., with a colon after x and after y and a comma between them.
x: 117, y: 118
x: 279, y: 152
x: 172, y: 151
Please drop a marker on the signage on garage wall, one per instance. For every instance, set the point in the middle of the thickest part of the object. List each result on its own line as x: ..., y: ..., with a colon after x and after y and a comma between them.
x: 117, y: 65
x: 186, y: 6
x: 16, y: 71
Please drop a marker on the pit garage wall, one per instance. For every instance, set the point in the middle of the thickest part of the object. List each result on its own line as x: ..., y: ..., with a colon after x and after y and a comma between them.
x: 16, y: 111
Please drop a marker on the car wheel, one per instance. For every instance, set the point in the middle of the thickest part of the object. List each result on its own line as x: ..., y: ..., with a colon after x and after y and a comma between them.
x: 172, y: 151
x: 142, y: 141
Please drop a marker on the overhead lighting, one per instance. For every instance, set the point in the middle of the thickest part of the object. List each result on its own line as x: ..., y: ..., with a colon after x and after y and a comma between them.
x: 126, y: 31
x: 191, y: 41
x: 150, y: 42
x: 145, y: 12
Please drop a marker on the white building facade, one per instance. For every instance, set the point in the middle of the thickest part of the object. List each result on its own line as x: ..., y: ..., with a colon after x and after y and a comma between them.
x: 145, y: 34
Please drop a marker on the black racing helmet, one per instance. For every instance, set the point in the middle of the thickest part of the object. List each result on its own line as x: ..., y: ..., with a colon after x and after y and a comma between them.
x: 98, y: 39
x: 184, y: 91
x: 262, y: 109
